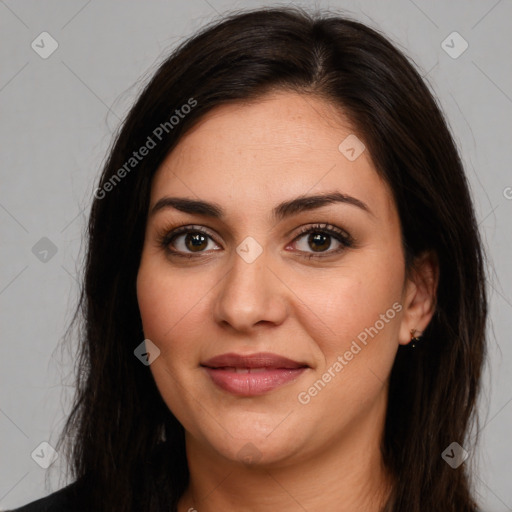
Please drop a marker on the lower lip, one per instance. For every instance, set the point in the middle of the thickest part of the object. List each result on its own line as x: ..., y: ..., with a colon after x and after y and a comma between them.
x: 253, y: 384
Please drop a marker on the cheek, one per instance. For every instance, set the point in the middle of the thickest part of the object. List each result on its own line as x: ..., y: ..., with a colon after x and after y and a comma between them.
x: 175, y: 305
x: 171, y: 310
x: 356, y: 350
x: 342, y: 304
x: 165, y: 301
x: 165, y: 305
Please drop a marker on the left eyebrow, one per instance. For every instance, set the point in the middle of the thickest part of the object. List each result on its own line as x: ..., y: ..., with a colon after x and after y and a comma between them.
x: 302, y: 203
x: 280, y: 212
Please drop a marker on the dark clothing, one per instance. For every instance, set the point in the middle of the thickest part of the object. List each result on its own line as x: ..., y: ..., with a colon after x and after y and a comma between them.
x: 67, y: 499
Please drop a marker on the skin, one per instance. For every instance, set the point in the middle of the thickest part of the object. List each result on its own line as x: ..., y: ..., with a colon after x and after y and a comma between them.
x: 323, y: 455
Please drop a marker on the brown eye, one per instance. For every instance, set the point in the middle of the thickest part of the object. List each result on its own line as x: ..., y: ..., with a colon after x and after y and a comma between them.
x: 191, y: 241
x: 187, y: 241
x: 316, y: 241
x: 196, y: 241
x: 320, y: 239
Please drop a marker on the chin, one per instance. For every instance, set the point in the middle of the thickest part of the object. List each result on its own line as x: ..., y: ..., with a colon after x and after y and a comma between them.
x: 258, y: 453
x: 254, y: 446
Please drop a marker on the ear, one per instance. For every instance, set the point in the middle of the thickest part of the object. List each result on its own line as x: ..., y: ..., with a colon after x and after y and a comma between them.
x: 419, y: 296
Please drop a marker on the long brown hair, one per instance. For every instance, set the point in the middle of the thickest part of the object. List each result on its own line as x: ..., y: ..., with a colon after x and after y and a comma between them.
x: 115, y: 430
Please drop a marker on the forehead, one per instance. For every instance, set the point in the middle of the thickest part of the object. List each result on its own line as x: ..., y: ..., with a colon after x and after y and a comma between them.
x: 262, y: 152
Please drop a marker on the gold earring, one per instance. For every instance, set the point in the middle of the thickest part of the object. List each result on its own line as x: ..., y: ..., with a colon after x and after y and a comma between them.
x: 414, y: 339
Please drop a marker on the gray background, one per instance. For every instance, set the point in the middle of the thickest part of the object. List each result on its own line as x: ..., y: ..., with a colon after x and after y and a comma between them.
x: 57, y: 119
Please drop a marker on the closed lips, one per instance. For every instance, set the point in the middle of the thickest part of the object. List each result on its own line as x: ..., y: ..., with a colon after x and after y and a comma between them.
x: 252, y: 375
x: 260, y: 361
x: 244, y: 370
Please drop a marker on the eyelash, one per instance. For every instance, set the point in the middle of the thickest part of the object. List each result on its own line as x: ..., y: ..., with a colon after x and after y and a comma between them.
x: 167, y: 235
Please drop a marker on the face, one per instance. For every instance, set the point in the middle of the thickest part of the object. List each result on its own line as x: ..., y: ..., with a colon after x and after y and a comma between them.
x: 277, y: 320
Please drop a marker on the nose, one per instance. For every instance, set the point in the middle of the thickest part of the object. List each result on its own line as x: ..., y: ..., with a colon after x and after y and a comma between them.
x: 250, y: 294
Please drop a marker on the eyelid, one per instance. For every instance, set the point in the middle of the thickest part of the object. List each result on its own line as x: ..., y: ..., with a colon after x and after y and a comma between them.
x: 340, y: 235
x: 167, y: 235
x: 326, y: 228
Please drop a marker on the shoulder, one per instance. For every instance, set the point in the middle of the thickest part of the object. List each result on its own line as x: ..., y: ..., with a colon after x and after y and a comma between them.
x: 67, y: 499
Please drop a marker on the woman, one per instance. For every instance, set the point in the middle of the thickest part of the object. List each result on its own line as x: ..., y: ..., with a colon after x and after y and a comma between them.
x: 284, y: 299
